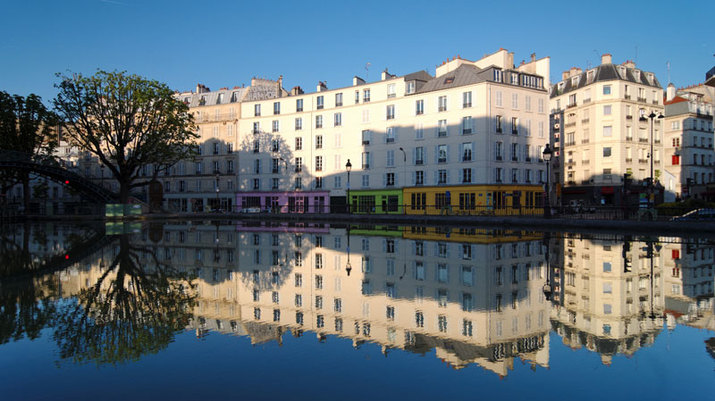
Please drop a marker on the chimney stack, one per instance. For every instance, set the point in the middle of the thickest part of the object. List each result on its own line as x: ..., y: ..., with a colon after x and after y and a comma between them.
x: 670, y: 92
x: 358, y: 81
x: 607, y: 59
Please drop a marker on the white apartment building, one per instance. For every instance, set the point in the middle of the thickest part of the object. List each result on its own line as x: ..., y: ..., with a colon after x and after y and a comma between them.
x: 601, y: 130
x: 689, y: 153
x: 474, y: 122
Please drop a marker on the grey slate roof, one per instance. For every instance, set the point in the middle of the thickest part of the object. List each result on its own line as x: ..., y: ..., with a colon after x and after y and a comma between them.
x: 464, y: 75
x: 603, y: 73
x: 211, y: 98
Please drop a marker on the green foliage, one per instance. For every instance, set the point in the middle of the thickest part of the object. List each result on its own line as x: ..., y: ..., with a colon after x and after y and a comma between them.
x: 127, y: 122
x: 26, y: 127
x: 680, y: 208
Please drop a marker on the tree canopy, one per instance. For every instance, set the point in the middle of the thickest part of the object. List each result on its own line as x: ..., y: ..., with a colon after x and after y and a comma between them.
x: 127, y: 122
x: 26, y: 127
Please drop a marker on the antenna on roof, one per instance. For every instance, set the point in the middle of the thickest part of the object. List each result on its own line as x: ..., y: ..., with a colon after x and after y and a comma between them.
x: 667, y: 65
x: 367, y: 72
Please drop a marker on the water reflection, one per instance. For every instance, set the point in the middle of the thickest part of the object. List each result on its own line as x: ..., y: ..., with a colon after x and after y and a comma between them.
x: 472, y: 296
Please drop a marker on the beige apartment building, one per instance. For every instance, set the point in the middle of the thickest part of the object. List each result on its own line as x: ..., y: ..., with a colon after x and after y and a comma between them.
x: 690, y: 157
x: 602, y: 130
x: 474, y: 122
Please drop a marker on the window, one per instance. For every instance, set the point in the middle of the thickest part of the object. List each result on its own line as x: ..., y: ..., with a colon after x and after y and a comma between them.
x: 410, y: 87
x: 391, y: 91
x: 298, y: 143
x: 442, y: 128
x: 337, y: 119
x: 467, y: 124
x: 257, y: 110
x: 338, y: 99
x: 607, y: 152
x: 419, y: 177
x: 389, y: 179
x: 467, y: 152
x: 276, y: 108
x: 318, y: 163
x: 390, y: 111
x: 466, y: 99
x: 275, y: 125
x: 515, y: 126
x: 298, y: 105
x: 441, y: 176
x: 390, y: 158
x: 366, y: 137
x: 514, y: 101
x: 390, y: 135
x: 442, y: 103
x: 419, y: 131
x: 607, y: 110
x: 365, y: 160
x: 419, y: 155
x: 320, y: 102
x: 441, y: 153
x: 318, y: 121
x: 466, y: 175
x: 498, y: 124
x: 419, y: 107
x: 607, y: 130
x: 606, y: 89
x: 298, y: 164
x: 318, y: 141
x: 366, y: 95
x: 298, y: 124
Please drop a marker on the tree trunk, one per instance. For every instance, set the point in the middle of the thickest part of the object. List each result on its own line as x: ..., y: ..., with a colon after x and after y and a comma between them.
x: 124, y: 192
x: 26, y: 195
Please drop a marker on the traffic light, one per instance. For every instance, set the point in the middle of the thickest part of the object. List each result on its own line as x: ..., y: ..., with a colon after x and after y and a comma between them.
x: 67, y: 182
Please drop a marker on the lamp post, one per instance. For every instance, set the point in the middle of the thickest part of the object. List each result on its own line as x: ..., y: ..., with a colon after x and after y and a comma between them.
x: 404, y: 173
x: 218, y: 201
x: 547, y: 158
x: 651, y: 183
x: 348, y: 167
x: 348, y: 266
x: 548, y: 289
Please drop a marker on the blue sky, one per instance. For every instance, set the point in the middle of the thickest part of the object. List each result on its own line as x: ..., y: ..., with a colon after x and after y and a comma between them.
x: 225, y: 43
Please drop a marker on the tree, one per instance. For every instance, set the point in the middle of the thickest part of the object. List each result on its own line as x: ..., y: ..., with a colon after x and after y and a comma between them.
x: 128, y: 122
x: 28, y: 128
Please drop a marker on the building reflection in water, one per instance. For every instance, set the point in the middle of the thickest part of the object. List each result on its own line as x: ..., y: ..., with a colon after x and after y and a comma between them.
x: 473, y: 296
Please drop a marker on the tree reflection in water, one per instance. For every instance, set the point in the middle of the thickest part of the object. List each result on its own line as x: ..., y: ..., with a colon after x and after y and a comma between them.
x: 25, y: 304
x: 131, y: 310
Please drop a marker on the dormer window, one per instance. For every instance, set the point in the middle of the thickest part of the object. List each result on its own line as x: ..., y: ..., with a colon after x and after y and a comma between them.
x: 219, y: 99
x: 622, y: 71
x: 637, y: 73
x: 590, y: 75
x: 561, y: 86
x: 410, y: 87
x: 651, y: 78
x: 574, y: 80
x: 497, y: 75
x: 514, y: 78
x: 448, y: 80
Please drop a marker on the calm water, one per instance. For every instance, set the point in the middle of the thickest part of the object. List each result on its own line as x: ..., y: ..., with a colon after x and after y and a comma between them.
x: 198, y: 310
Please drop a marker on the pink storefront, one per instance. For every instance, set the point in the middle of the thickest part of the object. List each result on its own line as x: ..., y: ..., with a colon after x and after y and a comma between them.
x: 285, y: 202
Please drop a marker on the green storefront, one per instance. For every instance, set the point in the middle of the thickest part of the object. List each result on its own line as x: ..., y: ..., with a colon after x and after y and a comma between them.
x: 376, y: 201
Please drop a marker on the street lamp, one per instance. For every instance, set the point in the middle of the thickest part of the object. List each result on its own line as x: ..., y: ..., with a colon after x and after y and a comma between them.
x: 218, y: 201
x: 548, y: 290
x: 651, y: 183
x: 348, y: 167
x: 547, y: 158
x: 348, y: 267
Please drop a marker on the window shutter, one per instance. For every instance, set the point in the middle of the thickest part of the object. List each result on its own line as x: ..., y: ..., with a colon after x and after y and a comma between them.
x: 384, y: 179
x: 446, y: 180
x: 436, y: 154
x: 414, y: 178
x: 414, y: 155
